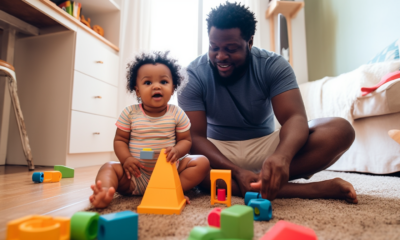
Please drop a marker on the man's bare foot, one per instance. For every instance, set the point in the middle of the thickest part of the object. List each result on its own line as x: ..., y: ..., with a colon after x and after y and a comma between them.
x: 101, y: 197
x: 338, y: 188
x: 187, y: 200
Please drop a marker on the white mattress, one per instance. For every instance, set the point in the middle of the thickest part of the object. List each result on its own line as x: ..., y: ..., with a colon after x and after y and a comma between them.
x: 373, y: 151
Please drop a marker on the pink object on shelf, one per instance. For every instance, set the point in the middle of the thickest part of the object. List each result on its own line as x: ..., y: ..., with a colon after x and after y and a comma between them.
x: 214, y: 218
x: 283, y: 230
x: 387, y: 78
x: 221, y: 195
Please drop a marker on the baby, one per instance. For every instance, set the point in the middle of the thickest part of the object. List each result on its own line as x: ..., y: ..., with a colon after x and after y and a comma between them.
x: 153, y: 123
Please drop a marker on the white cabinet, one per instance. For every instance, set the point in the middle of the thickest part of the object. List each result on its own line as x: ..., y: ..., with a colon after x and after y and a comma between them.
x: 67, y: 85
x: 96, y: 59
x: 93, y: 96
x: 91, y: 133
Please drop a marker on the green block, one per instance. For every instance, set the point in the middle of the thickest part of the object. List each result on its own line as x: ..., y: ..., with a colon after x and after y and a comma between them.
x: 65, y: 171
x: 237, y: 222
x: 84, y: 225
x: 205, y: 233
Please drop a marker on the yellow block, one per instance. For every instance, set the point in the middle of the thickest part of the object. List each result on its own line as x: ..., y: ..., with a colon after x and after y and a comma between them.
x: 164, y: 194
x: 225, y: 175
x: 37, y: 227
x: 395, y: 134
x: 52, y: 176
x: 147, y: 149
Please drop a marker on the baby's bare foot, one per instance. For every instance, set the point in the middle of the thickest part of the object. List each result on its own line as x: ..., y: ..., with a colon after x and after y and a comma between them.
x: 101, y: 197
x: 187, y: 200
x: 341, y: 189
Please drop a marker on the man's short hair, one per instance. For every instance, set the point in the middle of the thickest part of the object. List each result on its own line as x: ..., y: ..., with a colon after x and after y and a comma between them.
x: 233, y: 15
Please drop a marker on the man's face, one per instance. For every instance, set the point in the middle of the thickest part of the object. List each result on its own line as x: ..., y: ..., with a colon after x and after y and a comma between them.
x: 228, y: 52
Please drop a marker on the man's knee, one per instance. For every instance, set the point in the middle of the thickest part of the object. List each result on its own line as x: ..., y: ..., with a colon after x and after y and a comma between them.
x: 342, y: 133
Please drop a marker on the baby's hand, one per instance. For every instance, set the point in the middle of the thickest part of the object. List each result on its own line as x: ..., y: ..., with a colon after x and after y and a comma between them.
x: 172, y: 154
x: 132, y: 166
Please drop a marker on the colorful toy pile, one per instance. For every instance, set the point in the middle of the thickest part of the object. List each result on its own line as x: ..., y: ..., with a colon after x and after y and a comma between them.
x: 53, y: 176
x: 164, y: 195
x: 236, y: 222
x: 81, y: 226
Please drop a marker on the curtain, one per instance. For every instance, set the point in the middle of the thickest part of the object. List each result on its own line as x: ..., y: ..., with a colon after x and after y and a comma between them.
x: 135, y: 38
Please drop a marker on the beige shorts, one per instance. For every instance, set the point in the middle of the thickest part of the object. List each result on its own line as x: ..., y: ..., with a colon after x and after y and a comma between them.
x: 249, y: 154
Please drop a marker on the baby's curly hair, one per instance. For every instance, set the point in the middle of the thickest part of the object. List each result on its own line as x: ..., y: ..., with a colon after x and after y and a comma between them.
x: 233, y: 15
x: 153, y: 58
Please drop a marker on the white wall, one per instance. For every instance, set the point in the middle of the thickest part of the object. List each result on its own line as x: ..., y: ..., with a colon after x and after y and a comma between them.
x: 344, y: 34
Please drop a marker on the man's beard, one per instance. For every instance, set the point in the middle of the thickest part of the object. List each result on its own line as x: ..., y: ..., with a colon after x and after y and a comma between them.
x: 236, y: 75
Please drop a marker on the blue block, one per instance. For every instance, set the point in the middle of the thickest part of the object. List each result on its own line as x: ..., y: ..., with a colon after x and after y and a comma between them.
x: 262, y: 209
x: 120, y: 225
x: 146, y: 154
x: 251, y: 195
x: 37, y: 177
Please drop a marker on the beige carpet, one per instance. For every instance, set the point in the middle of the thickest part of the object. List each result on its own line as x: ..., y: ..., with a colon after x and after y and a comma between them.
x: 377, y: 216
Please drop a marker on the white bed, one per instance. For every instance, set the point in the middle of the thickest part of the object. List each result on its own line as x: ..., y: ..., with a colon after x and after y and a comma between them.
x: 372, y: 116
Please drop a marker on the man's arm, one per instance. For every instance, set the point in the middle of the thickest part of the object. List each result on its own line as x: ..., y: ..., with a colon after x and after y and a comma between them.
x: 201, y: 145
x: 290, y: 112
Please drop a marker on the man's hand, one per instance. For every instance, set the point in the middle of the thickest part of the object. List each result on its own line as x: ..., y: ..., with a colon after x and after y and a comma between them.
x: 274, y: 174
x: 172, y: 154
x: 244, y: 178
x: 132, y: 166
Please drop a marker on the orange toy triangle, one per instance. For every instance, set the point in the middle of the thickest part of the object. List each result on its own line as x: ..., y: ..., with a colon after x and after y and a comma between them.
x: 164, y: 194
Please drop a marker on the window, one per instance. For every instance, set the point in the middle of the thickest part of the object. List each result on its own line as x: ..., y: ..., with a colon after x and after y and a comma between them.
x: 180, y: 27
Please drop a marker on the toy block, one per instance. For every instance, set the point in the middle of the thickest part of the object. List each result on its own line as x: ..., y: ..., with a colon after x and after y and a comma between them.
x: 262, y: 209
x: 164, y: 194
x: 251, y: 195
x: 120, y: 225
x: 37, y: 177
x: 52, y: 176
x: 66, y: 172
x: 146, y: 153
x: 84, y: 225
x: 205, y: 233
x: 221, y: 195
x: 36, y: 227
x: 226, y: 176
x: 237, y: 222
x: 286, y: 230
x: 214, y: 217
x: 395, y: 135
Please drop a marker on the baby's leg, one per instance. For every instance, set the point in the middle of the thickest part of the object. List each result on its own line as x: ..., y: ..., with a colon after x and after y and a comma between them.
x: 111, y: 177
x: 192, y: 170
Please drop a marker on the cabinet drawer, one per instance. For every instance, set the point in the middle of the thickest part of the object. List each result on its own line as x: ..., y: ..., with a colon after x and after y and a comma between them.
x: 91, y: 133
x: 94, y: 96
x: 96, y: 59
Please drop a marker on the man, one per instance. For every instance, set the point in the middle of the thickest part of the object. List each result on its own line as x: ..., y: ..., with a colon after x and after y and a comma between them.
x: 231, y: 98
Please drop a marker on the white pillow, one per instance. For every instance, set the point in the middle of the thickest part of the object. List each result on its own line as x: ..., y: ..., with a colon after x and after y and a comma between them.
x: 384, y: 100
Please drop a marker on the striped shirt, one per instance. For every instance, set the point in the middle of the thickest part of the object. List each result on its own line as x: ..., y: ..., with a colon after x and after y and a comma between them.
x: 151, y: 132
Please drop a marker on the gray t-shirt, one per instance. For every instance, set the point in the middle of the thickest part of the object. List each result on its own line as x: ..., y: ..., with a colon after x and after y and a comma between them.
x: 243, y: 110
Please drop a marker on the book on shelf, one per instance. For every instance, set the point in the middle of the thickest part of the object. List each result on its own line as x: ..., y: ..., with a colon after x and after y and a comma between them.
x: 72, y: 8
x: 76, y: 10
x: 66, y: 6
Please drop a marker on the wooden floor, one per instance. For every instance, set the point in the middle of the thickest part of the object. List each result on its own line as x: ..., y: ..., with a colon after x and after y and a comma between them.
x: 19, y: 196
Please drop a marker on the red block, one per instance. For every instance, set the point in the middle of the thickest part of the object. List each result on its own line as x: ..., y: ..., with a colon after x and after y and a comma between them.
x: 221, y: 195
x: 286, y: 230
x: 214, y: 218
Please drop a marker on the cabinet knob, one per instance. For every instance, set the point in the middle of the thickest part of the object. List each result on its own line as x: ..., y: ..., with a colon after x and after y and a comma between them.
x: 101, y: 62
x: 96, y: 133
x: 99, y: 97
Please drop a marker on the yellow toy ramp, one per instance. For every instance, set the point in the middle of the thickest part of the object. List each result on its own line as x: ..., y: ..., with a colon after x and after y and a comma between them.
x: 164, y: 194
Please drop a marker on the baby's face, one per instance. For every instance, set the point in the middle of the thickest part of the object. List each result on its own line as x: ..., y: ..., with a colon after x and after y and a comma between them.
x: 154, y: 85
